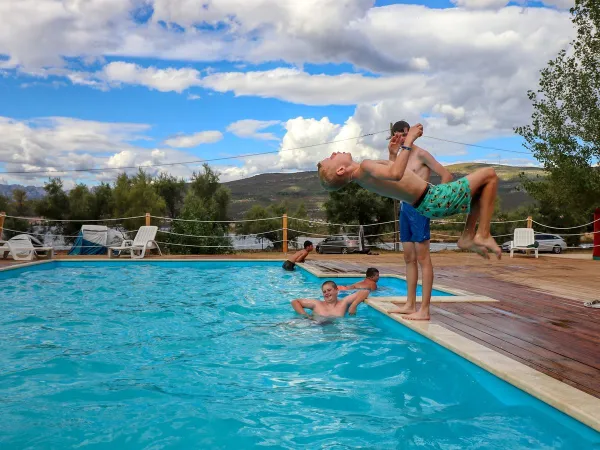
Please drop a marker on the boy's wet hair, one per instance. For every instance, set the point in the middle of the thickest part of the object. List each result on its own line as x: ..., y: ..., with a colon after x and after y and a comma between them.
x: 329, y: 282
x: 307, y: 244
x: 371, y: 271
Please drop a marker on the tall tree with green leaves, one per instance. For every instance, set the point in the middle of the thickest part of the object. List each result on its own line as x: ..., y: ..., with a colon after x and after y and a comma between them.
x: 172, y: 190
x: 205, y: 213
x: 134, y: 196
x: 21, y: 204
x: 564, y: 134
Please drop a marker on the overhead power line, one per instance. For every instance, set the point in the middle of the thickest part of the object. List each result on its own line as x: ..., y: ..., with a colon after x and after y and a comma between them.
x: 246, y: 155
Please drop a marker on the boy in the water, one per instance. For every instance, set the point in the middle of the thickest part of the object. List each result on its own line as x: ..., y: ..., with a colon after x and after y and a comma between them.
x: 370, y: 282
x: 330, y: 306
x: 298, y: 257
x: 474, y: 194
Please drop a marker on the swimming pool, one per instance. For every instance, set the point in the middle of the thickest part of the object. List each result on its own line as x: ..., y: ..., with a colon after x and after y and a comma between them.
x: 210, y: 355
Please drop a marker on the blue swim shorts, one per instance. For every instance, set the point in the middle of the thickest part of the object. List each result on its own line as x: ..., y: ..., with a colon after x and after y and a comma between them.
x: 414, y: 227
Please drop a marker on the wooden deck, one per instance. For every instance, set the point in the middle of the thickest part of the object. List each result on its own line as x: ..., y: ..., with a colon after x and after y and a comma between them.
x: 552, y: 333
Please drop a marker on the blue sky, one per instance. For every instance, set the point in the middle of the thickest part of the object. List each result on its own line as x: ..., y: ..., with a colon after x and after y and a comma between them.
x: 113, y: 83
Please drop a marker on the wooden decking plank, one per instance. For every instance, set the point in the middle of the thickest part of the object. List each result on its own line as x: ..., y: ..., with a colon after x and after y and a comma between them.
x: 497, y: 337
x: 566, y: 376
x: 580, y: 350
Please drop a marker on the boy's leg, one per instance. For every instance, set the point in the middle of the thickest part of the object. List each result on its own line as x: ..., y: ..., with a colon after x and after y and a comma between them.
x: 466, y: 241
x: 485, y: 183
x: 424, y: 260
x: 412, y: 276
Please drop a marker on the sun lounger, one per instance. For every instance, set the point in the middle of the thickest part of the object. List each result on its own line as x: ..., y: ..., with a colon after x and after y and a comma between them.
x: 144, y: 240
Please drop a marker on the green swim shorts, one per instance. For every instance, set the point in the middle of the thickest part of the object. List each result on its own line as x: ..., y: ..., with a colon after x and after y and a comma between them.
x: 446, y: 200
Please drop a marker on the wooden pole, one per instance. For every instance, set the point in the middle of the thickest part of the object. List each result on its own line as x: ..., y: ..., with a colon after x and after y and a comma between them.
x: 2, y: 216
x: 529, y: 222
x: 285, y: 230
x: 147, y: 219
x: 396, y: 226
x: 597, y: 235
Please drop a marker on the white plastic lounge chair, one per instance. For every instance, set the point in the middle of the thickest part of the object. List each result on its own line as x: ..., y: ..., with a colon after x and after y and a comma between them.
x: 21, y: 248
x: 144, y: 240
x: 524, y: 239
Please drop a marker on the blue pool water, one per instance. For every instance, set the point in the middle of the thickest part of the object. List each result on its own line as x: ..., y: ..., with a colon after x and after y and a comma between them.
x: 210, y: 355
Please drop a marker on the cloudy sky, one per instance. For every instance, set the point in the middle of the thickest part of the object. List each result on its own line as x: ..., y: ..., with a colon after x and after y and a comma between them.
x: 112, y: 83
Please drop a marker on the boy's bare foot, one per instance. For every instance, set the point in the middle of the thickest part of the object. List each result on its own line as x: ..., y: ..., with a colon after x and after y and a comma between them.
x: 488, y: 243
x: 419, y: 315
x: 406, y: 309
x: 467, y: 243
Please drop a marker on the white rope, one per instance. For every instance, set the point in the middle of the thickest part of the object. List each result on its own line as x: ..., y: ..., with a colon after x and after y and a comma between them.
x: 255, y: 246
x: 381, y: 234
x: 215, y: 221
x: 310, y: 234
x: 340, y: 224
x: 464, y: 221
x: 563, y: 228
x: 38, y: 234
x: 214, y: 235
x: 39, y: 219
x: 568, y: 234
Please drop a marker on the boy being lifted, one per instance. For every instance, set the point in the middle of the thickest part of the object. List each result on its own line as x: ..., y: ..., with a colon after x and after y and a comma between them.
x: 474, y: 194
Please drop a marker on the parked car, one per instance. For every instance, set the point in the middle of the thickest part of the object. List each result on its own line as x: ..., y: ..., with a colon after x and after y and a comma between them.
x: 340, y: 243
x: 548, y: 243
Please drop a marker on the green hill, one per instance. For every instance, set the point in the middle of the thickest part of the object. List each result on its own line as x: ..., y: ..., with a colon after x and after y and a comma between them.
x: 304, y: 187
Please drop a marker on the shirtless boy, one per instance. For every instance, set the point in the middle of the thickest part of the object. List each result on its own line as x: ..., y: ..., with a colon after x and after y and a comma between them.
x: 330, y: 306
x: 474, y: 194
x: 370, y: 282
x: 298, y: 257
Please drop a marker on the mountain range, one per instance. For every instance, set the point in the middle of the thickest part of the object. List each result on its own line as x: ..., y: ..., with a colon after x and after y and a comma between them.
x: 304, y: 187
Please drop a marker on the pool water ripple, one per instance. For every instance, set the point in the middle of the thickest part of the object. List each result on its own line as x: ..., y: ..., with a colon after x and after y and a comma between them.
x: 149, y: 356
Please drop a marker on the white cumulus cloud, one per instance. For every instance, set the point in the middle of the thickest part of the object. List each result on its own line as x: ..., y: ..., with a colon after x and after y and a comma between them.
x: 193, y: 140
x: 249, y: 128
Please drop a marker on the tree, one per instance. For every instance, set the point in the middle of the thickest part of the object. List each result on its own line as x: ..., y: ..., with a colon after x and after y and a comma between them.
x: 205, y: 214
x: 103, y: 203
x: 355, y: 205
x: 81, y: 207
x: 565, y: 131
x: 21, y: 205
x: 172, y: 190
x: 134, y: 196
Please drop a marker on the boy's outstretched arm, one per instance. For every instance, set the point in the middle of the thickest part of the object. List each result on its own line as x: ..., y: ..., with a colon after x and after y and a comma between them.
x: 356, y: 299
x: 300, y: 303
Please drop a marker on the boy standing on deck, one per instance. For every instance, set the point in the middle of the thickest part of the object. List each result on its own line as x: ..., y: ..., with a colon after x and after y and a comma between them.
x: 298, y: 257
x: 474, y: 194
x: 415, y: 228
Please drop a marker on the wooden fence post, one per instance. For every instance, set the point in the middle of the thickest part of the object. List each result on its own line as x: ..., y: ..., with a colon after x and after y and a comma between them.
x: 2, y: 216
x: 529, y: 222
x: 147, y: 219
x: 285, y: 236
x: 597, y: 235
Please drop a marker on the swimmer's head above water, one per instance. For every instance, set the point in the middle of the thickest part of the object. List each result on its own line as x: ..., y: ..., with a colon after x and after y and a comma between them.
x: 330, y: 291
